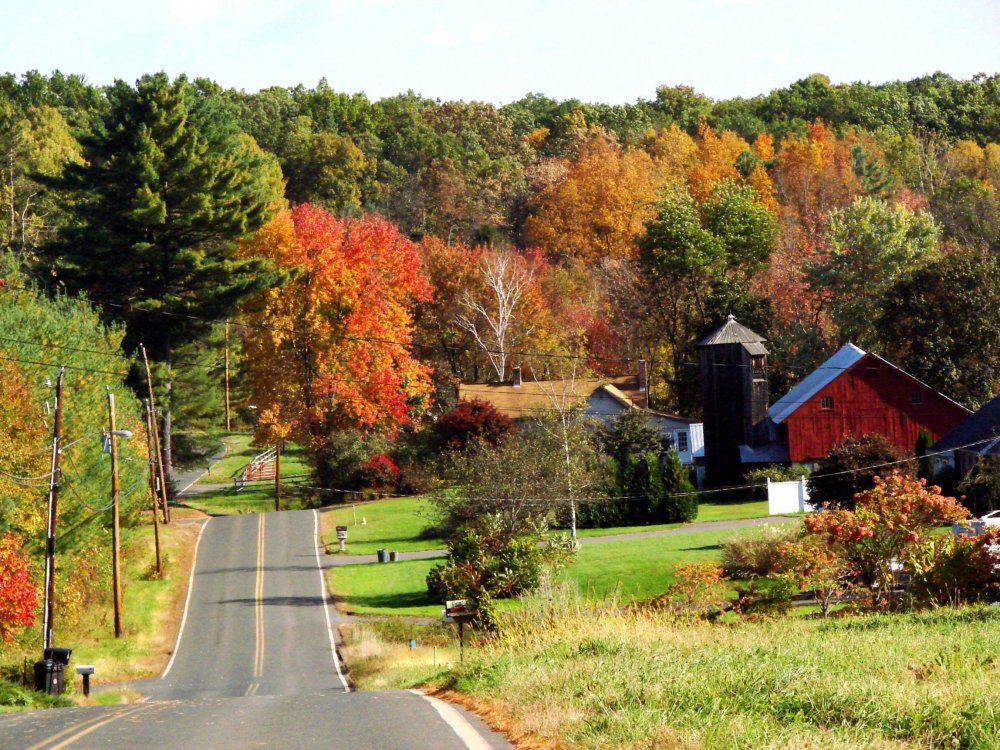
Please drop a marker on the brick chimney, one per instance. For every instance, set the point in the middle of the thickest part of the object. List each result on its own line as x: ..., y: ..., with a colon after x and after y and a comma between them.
x: 516, y: 375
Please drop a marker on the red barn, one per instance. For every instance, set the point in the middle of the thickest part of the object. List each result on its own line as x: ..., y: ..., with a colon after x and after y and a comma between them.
x: 855, y: 393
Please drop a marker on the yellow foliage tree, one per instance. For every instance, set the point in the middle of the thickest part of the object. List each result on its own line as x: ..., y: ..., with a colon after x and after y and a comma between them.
x: 598, y: 208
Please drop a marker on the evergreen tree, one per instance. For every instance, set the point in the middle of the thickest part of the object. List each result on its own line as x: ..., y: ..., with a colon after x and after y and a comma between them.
x: 166, y: 190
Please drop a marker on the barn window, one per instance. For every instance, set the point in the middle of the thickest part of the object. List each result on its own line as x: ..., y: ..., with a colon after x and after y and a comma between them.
x: 682, y: 442
x: 826, y: 402
x: 916, y: 397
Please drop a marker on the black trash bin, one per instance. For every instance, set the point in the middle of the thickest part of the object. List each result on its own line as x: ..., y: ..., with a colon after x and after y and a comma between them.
x: 49, y: 676
x: 60, y: 655
x: 383, y: 556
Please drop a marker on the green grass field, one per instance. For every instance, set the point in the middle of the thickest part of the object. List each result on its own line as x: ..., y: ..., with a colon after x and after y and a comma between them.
x: 398, y: 524
x: 632, y: 569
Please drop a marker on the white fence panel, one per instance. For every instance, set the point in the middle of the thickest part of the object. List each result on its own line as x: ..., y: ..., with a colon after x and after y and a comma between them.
x: 788, y: 497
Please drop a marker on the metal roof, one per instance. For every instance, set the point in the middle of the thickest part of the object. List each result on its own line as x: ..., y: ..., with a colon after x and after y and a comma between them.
x: 732, y: 332
x: 982, y: 425
x: 845, y: 358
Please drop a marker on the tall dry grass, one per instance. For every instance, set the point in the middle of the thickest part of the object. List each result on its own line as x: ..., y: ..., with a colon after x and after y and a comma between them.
x: 602, y: 677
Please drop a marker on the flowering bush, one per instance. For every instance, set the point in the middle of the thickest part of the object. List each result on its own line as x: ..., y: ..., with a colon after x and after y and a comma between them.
x: 890, y: 523
x: 379, y: 472
x: 18, y: 595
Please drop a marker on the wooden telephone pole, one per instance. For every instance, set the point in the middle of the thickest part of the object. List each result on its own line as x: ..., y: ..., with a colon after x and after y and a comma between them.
x: 50, y: 535
x: 115, y: 531
x: 226, y: 357
x: 156, y: 440
x: 150, y: 426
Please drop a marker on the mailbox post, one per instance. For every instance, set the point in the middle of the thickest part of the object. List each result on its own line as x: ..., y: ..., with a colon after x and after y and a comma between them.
x: 342, y: 537
x: 85, y: 670
x: 459, y: 611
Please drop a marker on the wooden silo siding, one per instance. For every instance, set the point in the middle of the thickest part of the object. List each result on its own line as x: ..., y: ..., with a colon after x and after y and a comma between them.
x: 870, y: 398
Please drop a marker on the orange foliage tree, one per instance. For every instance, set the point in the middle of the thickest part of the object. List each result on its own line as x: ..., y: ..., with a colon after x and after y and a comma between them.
x: 18, y: 595
x: 330, y: 349
x: 597, y: 208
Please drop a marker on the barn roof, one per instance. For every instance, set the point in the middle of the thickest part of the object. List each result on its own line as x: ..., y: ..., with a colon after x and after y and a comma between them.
x: 846, y: 357
x: 981, y: 426
x: 732, y: 332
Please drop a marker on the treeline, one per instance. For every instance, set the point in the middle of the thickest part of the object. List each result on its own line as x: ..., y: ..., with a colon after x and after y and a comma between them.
x: 817, y: 214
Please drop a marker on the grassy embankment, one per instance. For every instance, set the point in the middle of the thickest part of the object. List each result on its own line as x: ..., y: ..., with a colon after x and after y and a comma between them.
x: 257, y: 497
x: 151, y: 615
x: 583, y: 677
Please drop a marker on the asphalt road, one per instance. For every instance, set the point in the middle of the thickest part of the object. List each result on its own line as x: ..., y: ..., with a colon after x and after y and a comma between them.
x: 256, y: 666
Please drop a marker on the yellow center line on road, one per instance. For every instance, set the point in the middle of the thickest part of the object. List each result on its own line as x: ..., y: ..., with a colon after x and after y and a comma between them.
x: 258, y: 666
x: 84, y: 728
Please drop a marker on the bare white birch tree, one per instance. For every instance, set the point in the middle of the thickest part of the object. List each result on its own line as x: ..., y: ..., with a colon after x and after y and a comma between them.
x: 491, y: 316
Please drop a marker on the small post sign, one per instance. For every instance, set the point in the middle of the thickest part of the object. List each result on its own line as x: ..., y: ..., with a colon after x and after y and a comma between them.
x: 342, y: 536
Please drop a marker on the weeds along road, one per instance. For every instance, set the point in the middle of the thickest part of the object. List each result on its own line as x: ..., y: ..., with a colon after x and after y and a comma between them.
x: 256, y: 665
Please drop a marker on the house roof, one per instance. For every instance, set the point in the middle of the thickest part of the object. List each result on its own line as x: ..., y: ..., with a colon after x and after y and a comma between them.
x: 543, y: 395
x: 983, y: 425
x: 732, y: 332
x: 846, y: 357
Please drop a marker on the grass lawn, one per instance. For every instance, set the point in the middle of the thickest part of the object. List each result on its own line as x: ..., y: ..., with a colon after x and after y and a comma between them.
x: 628, y: 569
x: 239, y: 453
x: 396, y: 524
x: 397, y: 588
x: 640, y: 568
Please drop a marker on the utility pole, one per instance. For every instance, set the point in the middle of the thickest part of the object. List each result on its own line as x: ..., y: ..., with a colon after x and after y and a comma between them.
x: 50, y: 535
x: 156, y: 439
x: 228, y: 425
x: 150, y: 426
x: 115, y: 541
x: 277, y: 476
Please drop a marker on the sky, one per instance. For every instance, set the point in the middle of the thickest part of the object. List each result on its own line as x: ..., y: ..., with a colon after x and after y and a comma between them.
x: 499, y: 50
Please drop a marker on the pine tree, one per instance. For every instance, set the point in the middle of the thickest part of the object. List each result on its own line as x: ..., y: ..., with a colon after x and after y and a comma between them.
x: 166, y: 189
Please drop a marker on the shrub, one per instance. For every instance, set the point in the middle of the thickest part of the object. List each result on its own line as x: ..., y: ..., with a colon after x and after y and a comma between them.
x: 486, y: 561
x: 957, y: 569
x: 765, y: 598
x: 472, y: 421
x: 756, y: 554
x: 981, y: 486
x: 845, y: 471
x: 777, y: 473
x: 699, y: 589
x: 815, y: 567
x: 889, y: 524
x: 378, y: 472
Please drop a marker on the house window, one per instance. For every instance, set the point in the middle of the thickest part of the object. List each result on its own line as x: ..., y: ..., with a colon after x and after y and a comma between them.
x: 682, y: 442
x: 916, y: 398
x: 826, y: 403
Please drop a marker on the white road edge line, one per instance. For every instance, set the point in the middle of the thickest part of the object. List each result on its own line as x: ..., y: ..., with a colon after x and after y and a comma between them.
x: 326, y: 602
x: 187, y: 601
x: 465, y: 731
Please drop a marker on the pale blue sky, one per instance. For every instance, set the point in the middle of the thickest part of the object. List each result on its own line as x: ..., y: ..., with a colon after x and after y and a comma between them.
x: 499, y: 50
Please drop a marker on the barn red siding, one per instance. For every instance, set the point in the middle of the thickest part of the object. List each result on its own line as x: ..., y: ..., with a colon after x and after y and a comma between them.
x: 871, y: 397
